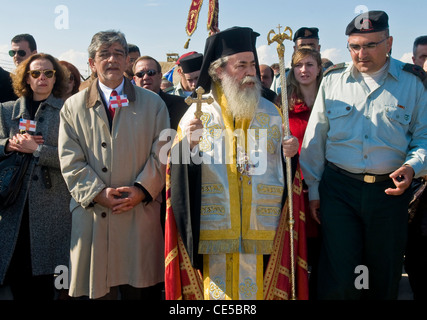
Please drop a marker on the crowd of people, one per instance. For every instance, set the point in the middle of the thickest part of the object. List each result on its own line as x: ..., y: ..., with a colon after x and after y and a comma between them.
x: 147, y: 190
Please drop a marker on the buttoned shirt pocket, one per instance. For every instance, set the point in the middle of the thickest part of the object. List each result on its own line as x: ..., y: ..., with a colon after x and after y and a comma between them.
x: 339, y: 117
x: 397, y: 114
x: 396, y: 125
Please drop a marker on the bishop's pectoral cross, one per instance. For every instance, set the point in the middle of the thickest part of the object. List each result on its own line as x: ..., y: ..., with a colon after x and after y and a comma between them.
x: 199, y: 100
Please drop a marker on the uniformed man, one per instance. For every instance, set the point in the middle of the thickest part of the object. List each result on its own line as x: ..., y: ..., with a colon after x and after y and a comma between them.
x: 420, y: 52
x: 189, y: 71
x: 365, y: 141
x: 307, y: 37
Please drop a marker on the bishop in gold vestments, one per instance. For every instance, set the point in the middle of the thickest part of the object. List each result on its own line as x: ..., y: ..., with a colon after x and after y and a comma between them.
x: 226, y: 186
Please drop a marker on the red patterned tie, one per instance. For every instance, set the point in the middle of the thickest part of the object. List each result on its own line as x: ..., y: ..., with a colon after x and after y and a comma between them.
x: 111, y: 109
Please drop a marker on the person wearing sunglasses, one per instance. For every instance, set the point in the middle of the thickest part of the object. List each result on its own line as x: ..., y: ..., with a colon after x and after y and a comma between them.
x: 148, y: 75
x: 35, y: 230
x: 365, y: 142
x: 109, y: 154
x: 22, y: 46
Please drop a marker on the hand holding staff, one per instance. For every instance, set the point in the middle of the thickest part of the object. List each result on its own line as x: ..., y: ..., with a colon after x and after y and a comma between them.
x: 279, y: 38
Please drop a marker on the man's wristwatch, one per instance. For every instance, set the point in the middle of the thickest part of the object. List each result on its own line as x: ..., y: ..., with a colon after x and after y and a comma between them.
x: 36, y: 153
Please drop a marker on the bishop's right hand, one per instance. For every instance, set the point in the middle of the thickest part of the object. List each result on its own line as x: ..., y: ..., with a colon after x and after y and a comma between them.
x: 194, y: 132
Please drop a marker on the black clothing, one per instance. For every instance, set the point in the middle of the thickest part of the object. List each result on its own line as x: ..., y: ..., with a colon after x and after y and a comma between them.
x: 6, y: 90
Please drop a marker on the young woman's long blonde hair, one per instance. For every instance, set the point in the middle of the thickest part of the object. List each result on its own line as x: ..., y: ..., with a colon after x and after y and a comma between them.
x: 294, y: 92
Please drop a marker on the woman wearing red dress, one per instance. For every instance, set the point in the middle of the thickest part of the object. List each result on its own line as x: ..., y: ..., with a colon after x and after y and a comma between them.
x: 303, y: 82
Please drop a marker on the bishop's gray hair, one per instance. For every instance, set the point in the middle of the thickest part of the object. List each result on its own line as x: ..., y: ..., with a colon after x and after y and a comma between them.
x: 107, y: 37
x: 218, y: 63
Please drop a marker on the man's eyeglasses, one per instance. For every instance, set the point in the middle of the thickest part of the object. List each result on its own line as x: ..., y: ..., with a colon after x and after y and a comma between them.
x: 370, y: 46
x: 21, y: 53
x: 37, y: 73
x: 149, y: 73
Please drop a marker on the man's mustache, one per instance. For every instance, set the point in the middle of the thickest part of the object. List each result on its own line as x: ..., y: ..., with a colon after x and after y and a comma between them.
x: 249, y: 79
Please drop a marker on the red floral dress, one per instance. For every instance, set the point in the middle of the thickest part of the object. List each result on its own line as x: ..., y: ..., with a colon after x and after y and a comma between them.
x: 298, y: 119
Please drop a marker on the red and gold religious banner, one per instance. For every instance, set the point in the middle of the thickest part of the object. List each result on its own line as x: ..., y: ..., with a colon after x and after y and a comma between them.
x: 193, y: 17
x: 213, y: 15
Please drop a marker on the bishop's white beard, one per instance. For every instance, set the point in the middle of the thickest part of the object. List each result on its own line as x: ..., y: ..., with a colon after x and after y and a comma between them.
x: 242, y: 102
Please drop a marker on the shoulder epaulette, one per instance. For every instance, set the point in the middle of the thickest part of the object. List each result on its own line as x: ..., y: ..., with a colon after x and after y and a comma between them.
x: 335, y: 67
x: 417, y: 70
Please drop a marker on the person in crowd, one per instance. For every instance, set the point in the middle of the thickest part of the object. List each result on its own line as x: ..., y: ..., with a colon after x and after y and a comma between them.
x: 22, y: 46
x: 134, y: 53
x: 364, y: 143
x: 303, y: 82
x: 276, y: 68
x: 148, y: 74
x: 74, y: 78
x: 275, y: 84
x: 218, y: 207
x: 109, y: 144
x: 266, y: 77
x: 189, y: 70
x: 35, y: 230
x: 6, y: 92
x: 305, y: 36
x: 416, y: 247
x: 420, y: 52
x: 166, y: 85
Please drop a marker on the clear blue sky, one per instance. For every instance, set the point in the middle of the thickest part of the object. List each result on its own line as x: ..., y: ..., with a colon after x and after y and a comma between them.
x: 158, y: 26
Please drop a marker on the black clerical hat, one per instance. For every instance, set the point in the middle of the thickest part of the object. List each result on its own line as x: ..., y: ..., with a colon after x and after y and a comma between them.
x: 226, y: 43
x: 191, y: 63
x: 368, y: 22
x: 306, y: 33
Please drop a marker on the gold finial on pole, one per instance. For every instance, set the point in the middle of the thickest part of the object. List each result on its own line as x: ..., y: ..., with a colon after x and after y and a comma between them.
x: 199, y: 100
x: 279, y: 38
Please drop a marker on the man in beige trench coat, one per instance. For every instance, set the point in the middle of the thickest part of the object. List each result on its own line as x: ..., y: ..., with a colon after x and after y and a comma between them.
x: 111, y: 165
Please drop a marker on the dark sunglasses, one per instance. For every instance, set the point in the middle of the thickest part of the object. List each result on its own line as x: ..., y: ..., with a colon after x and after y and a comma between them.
x: 149, y: 73
x: 21, y: 53
x: 37, y: 73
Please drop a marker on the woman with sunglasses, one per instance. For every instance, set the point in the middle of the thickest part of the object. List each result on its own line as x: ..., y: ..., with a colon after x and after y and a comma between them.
x: 35, y: 230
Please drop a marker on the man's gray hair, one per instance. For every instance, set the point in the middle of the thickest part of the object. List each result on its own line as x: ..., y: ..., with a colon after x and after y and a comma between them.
x: 218, y: 63
x: 107, y: 37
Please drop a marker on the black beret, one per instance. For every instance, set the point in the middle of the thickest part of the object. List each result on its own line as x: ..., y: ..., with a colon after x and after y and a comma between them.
x: 191, y: 63
x: 306, y: 33
x: 368, y: 22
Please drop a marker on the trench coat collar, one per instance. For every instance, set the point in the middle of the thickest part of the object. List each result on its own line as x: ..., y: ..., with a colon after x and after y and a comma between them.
x: 93, y: 94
